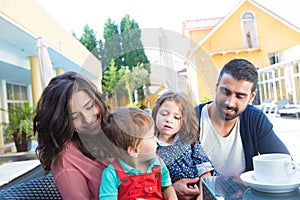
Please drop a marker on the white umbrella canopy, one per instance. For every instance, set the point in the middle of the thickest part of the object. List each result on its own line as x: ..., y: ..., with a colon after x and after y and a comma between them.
x: 45, y: 66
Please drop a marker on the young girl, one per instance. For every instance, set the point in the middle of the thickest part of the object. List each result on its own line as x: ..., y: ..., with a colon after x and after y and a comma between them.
x: 177, y: 129
x: 137, y: 172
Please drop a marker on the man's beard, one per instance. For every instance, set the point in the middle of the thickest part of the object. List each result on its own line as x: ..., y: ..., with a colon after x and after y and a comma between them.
x: 225, y: 116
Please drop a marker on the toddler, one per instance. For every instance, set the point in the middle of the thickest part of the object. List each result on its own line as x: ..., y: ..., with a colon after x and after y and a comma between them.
x: 137, y: 172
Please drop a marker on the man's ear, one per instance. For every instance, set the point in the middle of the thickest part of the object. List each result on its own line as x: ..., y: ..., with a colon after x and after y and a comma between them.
x: 252, y: 96
x: 133, y: 151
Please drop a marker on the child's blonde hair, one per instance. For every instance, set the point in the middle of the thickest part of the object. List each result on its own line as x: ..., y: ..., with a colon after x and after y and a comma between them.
x: 125, y: 128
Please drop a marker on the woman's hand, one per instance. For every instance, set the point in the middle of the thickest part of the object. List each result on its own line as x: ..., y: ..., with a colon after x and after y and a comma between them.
x: 187, y: 188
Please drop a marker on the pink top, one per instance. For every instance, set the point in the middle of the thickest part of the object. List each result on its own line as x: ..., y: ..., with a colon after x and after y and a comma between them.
x: 77, y: 176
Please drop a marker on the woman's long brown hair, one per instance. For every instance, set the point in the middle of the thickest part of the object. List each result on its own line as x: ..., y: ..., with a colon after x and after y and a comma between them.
x: 52, y: 122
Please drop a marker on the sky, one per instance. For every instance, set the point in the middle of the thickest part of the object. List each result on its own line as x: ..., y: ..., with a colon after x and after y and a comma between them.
x: 166, y: 14
x: 73, y: 15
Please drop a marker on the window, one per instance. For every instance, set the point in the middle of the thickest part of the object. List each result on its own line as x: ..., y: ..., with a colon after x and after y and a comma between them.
x: 249, y: 30
x: 16, y: 94
x: 274, y: 58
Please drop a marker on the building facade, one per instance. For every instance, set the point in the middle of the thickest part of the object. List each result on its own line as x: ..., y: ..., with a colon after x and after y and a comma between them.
x: 249, y: 31
x: 22, y: 24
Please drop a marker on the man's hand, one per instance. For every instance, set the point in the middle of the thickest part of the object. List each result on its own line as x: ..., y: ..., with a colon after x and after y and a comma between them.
x: 187, y: 188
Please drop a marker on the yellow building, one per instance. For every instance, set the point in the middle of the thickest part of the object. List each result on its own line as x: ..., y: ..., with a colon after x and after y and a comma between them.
x: 249, y: 31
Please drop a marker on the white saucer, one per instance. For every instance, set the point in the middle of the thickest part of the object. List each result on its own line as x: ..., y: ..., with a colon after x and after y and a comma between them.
x: 249, y: 179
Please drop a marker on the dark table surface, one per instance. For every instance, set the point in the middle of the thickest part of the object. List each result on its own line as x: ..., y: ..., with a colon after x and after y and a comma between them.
x: 232, y: 187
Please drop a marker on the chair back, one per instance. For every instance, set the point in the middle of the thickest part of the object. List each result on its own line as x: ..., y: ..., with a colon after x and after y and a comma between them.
x: 39, y: 188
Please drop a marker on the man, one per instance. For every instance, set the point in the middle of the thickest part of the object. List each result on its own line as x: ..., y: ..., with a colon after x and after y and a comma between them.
x: 232, y: 130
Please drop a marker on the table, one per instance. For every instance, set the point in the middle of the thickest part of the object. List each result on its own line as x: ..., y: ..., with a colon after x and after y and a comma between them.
x: 18, y: 156
x: 232, y: 187
x: 12, y: 170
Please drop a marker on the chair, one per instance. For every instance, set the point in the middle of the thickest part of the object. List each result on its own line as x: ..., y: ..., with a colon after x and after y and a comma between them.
x: 273, y: 108
x: 270, y: 109
x: 39, y: 188
x: 289, y: 110
x: 282, y: 103
x: 259, y: 106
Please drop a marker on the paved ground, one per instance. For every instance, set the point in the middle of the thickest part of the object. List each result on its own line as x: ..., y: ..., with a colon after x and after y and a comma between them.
x: 288, y: 129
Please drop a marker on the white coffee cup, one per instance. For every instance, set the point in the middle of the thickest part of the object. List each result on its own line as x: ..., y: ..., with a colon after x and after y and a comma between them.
x: 274, y: 168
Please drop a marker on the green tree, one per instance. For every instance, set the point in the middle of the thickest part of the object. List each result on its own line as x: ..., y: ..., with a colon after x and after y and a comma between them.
x: 119, y: 89
x: 133, y: 50
x: 110, y: 78
x: 128, y: 77
x: 124, y: 49
x: 112, y: 45
x: 102, y: 55
x: 132, y: 80
x: 140, y: 76
x: 89, y: 40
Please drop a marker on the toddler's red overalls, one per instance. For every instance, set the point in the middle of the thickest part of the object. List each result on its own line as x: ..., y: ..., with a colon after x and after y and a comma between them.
x: 147, y: 186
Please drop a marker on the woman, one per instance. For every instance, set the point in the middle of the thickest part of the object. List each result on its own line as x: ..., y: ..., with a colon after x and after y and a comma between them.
x: 69, y: 115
